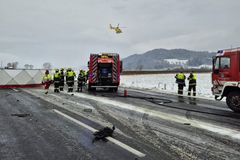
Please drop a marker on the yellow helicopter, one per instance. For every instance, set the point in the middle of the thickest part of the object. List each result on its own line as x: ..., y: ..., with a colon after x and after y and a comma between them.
x: 117, y: 29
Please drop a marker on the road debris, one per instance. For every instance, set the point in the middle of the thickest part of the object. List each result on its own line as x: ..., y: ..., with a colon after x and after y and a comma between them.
x: 21, y: 115
x: 87, y: 110
x: 103, y: 133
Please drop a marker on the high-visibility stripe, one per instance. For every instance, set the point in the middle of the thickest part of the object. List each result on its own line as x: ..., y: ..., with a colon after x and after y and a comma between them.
x: 94, y: 68
x: 114, y: 69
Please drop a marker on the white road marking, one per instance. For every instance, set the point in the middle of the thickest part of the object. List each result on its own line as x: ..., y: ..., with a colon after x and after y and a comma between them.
x: 170, y: 117
x: 213, y: 128
x: 120, y: 144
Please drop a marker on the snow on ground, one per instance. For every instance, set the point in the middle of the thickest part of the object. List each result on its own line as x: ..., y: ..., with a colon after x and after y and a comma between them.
x: 176, y: 61
x: 166, y: 83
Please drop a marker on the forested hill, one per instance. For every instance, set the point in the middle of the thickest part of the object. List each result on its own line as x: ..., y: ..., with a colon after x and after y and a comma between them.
x: 168, y: 59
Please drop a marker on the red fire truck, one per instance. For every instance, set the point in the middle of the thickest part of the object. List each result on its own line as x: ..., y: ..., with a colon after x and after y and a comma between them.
x: 104, y: 71
x: 226, y: 77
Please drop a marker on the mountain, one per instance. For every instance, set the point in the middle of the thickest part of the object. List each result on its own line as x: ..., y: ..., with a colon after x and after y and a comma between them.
x: 168, y: 59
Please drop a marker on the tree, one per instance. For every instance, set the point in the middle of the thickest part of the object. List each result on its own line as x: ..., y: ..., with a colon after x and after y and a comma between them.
x: 9, y: 65
x: 47, y: 65
x: 26, y: 66
x: 12, y: 65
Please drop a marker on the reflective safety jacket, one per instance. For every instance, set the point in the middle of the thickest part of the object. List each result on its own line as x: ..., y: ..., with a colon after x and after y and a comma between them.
x: 192, y: 79
x: 81, y: 77
x: 61, y: 76
x: 180, y: 78
x: 70, y: 76
x: 47, y: 78
x: 56, y: 77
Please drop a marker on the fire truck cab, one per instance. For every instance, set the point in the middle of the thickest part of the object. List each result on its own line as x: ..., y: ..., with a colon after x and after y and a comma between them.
x: 104, y: 71
x: 226, y: 77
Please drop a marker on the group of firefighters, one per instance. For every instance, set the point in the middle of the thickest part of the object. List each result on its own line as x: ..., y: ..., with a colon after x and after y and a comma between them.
x: 180, y: 80
x: 58, y: 79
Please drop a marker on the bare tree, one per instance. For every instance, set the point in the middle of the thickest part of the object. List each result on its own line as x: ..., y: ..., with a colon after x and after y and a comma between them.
x: 12, y: 65
x: 31, y: 66
x: 47, y: 65
x: 9, y: 65
x: 26, y: 66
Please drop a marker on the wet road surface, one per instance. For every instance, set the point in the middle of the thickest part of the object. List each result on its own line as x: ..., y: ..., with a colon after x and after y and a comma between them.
x: 148, y: 126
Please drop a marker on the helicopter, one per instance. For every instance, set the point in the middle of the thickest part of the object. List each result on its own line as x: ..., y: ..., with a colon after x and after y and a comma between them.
x: 117, y: 29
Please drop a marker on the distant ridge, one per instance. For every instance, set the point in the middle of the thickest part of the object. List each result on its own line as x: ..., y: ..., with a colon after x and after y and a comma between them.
x: 168, y: 59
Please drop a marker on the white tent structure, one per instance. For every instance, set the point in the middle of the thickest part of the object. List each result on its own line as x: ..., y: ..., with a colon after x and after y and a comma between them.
x: 20, y: 78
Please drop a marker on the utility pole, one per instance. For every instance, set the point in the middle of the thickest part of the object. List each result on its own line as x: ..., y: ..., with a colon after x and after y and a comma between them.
x: 1, y: 64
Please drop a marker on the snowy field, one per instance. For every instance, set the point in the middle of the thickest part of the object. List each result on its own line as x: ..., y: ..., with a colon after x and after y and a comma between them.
x: 166, y: 83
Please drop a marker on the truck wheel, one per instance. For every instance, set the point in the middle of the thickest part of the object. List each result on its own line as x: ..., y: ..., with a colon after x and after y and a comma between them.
x: 233, y: 101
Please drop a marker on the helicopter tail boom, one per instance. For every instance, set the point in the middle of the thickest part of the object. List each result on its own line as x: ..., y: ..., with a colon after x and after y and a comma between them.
x: 111, y: 27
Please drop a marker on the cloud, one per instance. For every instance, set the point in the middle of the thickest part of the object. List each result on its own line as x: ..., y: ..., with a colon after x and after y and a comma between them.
x: 66, y: 32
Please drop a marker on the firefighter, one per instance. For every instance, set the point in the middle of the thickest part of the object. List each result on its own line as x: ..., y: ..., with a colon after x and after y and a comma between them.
x: 86, y: 77
x: 192, y: 83
x: 56, y: 79
x: 180, y: 80
x: 61, y: 78
x: 81, y: 79
x: 70, y: 75
x: 46, y: 80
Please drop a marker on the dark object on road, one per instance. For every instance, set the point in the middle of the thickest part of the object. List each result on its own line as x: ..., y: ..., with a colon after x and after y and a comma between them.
x: 103, y: 133
x: 21, y: 115
x: 87, y: 110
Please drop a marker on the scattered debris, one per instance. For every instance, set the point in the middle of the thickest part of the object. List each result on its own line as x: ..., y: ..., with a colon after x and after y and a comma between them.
x: 187, y: 123
x: 16, y: 90
x: 87, y: 110
x: 7, y: 94
x: 103, y: 133
x: 21, y: 115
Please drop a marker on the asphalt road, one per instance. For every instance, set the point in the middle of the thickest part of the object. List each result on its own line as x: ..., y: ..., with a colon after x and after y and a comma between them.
x: 148, y: 125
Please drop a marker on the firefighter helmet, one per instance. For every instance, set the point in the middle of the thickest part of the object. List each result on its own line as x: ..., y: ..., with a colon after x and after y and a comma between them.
x: 62, y: 69
x: 56, y: 69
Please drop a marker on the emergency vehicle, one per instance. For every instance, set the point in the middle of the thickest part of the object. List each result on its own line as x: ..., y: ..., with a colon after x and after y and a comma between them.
x: 104, y: 71
x: 226, y: 77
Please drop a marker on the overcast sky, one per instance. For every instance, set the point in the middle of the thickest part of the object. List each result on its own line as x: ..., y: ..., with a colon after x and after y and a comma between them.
x: 65, y: 32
